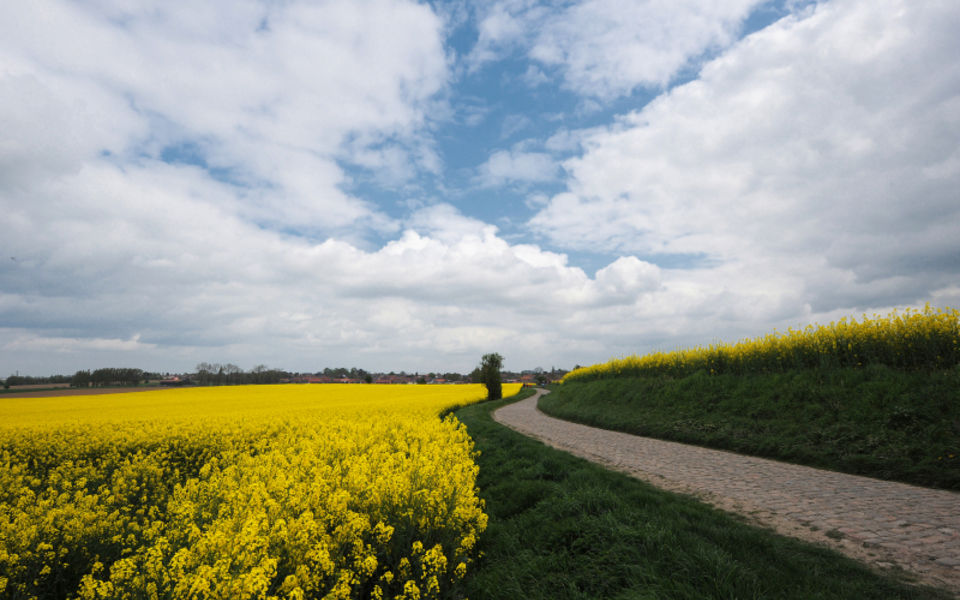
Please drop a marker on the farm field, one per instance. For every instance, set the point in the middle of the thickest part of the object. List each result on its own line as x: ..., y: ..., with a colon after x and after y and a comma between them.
x: 238, y: 492
x: 910, y: 340
x: 877, y: 397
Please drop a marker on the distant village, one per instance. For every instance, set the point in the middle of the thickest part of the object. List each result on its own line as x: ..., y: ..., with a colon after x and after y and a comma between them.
x: 359, y: 376
x: 527, y: 377
x: 207, y: 374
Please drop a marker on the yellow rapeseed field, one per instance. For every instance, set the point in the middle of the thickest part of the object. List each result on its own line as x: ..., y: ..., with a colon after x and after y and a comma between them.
x: 912, y: 339
x: 296, y: 491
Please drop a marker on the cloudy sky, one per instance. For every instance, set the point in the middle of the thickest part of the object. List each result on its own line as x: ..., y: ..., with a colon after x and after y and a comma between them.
x: 397, y: 185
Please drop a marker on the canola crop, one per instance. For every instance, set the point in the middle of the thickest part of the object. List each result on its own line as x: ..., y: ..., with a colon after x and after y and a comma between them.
x: 322, y: 491
x: 908, y: 340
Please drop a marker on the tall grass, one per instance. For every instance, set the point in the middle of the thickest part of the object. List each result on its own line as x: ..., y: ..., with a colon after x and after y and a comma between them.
x: 927, y: 339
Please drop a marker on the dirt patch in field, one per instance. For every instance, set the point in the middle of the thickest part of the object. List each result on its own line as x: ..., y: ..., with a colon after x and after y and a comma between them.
x: 38, y: 386
x: 77, y: 392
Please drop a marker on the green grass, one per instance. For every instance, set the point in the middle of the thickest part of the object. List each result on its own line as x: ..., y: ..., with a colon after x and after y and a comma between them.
x: 874, y: 421
x: 56, y: 388
x: 14, y: 390
x: 563, y: 528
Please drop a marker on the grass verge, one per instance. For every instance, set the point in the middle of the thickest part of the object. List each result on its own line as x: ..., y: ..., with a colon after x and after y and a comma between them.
x: 563, y: 528
x: 874, y: 421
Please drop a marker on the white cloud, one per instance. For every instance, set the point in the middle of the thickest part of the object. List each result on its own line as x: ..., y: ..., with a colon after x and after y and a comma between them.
x: 506, y: 166
x: 606, y: 48
x: 172, y: 281
x: 31, y: 342
x: 565, y: 140
x: 628, y: 275
x: 274, y: 94
x: 501, y: 27
x: 815, y: 162
x: 446, y: 223
x: 811, y: 171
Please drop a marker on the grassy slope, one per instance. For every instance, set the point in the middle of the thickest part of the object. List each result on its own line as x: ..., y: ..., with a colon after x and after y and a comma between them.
x: 874, y: 421
x: 562, y: 528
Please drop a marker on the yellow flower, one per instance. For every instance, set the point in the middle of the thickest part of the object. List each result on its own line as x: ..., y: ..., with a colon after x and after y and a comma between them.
x: 216, y: 492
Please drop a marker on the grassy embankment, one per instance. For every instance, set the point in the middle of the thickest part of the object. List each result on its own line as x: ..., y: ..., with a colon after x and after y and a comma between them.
x: 563, y: 528
x: 878, y: 398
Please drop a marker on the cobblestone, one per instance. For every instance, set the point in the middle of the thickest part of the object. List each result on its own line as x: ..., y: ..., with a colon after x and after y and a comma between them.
x: 883, y: 523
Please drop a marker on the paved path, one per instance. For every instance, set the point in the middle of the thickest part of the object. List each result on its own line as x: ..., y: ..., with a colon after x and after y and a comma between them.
x: 884, y: 523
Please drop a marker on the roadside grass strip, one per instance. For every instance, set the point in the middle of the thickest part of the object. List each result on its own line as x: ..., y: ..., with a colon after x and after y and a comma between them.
x: 878, y: 397
x: 877, y: 421
x: 560, y: 527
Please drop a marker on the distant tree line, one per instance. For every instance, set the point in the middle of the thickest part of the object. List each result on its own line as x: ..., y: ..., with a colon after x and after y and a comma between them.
x: 345, y: 373
x: 453, y: 377
x: 368, y: 377
x: 109, y: 376
x: 28, y: 380
x: 231, y: 374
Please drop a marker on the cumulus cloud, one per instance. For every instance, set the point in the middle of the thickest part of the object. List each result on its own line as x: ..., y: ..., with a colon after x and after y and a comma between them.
x: 626, y: 276
x: 816, y: 161
x: 502, y: 26
x: 32, y: 342
x: 605, y: 48
x: 267, y: 96
x: 173, y: 280
x: 446, y: 223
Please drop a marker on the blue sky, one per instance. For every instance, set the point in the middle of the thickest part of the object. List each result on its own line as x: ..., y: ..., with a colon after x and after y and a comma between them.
x: 398, y: 185
x: 499, y: 106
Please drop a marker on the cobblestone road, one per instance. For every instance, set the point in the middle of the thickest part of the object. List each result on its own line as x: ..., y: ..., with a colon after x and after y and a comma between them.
x: 883, y: 523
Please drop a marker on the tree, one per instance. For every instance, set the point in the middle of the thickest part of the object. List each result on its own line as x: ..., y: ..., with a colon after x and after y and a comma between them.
x: 204, y: 371
x: 490, y: 367
x: 14, y: 380
x: 80, y: 379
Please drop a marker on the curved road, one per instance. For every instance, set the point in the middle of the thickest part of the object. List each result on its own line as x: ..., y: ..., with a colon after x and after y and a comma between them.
x: 883, y: 523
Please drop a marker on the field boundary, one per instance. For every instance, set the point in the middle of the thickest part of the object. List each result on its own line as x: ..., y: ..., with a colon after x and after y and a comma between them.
x: 69, y: 391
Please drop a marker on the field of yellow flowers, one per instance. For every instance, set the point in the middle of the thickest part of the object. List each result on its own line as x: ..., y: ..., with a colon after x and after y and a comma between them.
x: 909, y: 340
x: 296, y: 491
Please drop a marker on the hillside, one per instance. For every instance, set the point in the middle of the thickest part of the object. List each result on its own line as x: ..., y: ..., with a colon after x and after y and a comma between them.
x: 880, y: 397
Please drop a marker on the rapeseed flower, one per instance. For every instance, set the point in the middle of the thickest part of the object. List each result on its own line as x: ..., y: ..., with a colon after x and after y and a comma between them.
x: 243, y: 492
x: 924, y: 339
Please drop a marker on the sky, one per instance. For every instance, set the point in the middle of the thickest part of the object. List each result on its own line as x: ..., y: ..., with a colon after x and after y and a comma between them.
x: 396, y: 185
